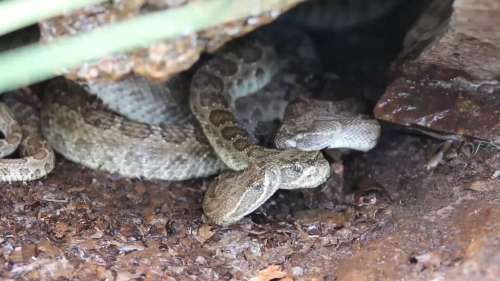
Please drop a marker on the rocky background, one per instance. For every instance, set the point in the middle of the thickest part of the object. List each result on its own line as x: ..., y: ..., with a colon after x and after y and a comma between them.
x: 423, y: 205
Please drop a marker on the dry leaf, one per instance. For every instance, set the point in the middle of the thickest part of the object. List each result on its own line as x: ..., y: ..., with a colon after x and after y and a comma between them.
x: 272, y: 272
x: 47, y: 247
x: 60, y: 229
x: 204, y: 233
x: 28, y: 252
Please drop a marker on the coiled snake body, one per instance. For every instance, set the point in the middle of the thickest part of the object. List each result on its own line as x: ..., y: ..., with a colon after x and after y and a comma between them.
x: 78, y: 127
x: 37, y: 157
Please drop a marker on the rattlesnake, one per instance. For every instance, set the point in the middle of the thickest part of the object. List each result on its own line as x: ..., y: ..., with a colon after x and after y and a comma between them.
x: 78, y: 127
x: 37, y: 156
x: 311, y: 125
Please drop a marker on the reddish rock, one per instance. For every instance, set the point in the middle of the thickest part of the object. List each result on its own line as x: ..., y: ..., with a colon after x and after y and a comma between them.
x: 452, y: 85
x: 452, y: 105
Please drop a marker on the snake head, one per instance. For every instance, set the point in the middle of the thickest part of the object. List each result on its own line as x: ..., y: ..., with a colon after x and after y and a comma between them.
x: 234, y: 195
x: 302, y: 169
x: 308, y: 135
x: 353, y: 132
x: 316, y: 124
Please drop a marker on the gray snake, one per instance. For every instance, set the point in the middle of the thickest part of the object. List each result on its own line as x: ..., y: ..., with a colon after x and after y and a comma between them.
x: 79, y: 127
x: 37, y: 157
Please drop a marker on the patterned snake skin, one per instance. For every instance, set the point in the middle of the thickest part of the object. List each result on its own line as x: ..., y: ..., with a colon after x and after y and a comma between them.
x: 311, y: 125
x: 139, y: 145
x: 243, y: 69
x: 150, y: 144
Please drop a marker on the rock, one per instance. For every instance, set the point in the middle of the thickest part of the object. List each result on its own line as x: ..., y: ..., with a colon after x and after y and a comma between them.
x: 450, y: 84
x: 159, y: 61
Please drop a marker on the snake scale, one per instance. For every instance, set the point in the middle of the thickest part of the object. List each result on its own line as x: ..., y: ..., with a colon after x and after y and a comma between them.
x: 79, y: 127
x: 37, y: 157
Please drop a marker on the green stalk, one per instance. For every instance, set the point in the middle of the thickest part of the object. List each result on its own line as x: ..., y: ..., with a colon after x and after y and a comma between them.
x: 38, y: 62
x: 15, y: 14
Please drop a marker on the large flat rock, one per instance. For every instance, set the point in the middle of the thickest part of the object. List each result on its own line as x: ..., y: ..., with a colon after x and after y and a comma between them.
x: 450, y: 84
x: 161, y: 60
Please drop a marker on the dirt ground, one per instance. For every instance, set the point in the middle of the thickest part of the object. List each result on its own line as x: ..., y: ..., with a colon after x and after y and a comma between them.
x: 384, y: 215
x: 402, y: 223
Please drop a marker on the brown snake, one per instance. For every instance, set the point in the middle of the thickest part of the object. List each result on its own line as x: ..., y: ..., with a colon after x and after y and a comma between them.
x: 78, y: 126
x: 37, y: 157
x: 214, y: 88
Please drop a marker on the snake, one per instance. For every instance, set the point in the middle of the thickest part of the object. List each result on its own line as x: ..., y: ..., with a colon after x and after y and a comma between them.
x: 101, y: 127
x: 37, y: 157
x: 312, y: 124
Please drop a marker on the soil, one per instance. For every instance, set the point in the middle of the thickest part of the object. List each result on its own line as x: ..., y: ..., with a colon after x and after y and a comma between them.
x: 394, y: 213
x: 409, y: 224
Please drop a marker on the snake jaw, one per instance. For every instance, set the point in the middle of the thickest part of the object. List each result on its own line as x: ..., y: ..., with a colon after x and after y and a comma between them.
x: 174, y: 152
x: 315, y: 174
x: 236, y: 194
x: 301, y: 169
x: 282, y: 143
x: 304, y: 141
x: 315, y: 125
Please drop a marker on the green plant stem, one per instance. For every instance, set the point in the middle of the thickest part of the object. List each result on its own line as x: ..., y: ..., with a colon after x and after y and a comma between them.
x: 15, y: 14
